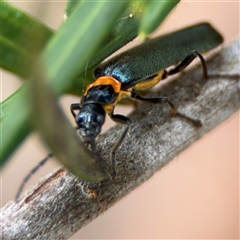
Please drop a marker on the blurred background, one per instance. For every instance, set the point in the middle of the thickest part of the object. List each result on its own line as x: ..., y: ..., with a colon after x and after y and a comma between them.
x: 196, y: 196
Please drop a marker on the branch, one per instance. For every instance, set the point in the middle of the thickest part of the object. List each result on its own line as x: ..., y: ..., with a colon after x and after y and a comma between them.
x: 61, y: 204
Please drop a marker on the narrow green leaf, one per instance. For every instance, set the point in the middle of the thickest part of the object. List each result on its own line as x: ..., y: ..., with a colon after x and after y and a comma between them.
x: 21, y: 37
x: 155, y: 13
x: 14, y: 122
x: 66, y: 47
x: 69, y: 45
x: 60, y: 134
x: 124, y: 31
x: 13, y: 58
x: 70, y: 6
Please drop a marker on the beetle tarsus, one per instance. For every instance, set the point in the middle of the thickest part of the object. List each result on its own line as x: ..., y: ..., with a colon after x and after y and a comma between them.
x: 195, y: 122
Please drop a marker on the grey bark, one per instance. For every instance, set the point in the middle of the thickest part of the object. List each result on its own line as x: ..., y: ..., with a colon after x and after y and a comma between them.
x: 60, y: 204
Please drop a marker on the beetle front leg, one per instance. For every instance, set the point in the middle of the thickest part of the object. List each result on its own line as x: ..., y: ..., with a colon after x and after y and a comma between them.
x: 118, y: 119
x: 74, y: 107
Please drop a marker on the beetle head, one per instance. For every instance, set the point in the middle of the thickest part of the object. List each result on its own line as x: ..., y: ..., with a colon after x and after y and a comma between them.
x: 89, y: 121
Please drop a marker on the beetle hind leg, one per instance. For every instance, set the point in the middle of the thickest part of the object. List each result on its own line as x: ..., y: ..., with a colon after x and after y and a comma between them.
x: 185, y: 62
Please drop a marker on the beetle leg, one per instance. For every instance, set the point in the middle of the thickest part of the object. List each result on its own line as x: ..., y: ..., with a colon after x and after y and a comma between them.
x: 155, y: 100
x: 118, y: 119
x: 186, y: 62
x: 74, y: 107
x: 174, y: 112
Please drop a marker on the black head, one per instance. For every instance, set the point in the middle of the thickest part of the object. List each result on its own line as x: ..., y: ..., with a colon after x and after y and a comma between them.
x: 90, y: 119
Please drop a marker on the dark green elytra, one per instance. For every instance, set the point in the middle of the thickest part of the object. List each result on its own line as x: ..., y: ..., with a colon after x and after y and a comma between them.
x: 143, y: 61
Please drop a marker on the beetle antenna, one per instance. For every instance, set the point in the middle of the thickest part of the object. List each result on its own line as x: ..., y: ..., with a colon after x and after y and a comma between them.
x: 32, y: 172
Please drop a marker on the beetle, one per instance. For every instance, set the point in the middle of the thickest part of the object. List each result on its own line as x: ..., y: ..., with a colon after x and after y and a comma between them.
x: 139, y: 68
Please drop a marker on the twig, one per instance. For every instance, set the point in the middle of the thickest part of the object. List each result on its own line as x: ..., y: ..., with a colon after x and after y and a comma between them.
x: 61, y: 204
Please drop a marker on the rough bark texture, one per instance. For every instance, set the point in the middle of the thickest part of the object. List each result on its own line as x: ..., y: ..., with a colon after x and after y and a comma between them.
x: 61, y: 204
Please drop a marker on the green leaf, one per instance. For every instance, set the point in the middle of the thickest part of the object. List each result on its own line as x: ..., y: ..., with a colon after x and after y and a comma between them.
x: 155, y: 13
x: 69, y: 45
x: 70, y: 6
x: 60, y: 134
x: 21, y: 37
x: 14, y: 123
x: 124, y: 31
